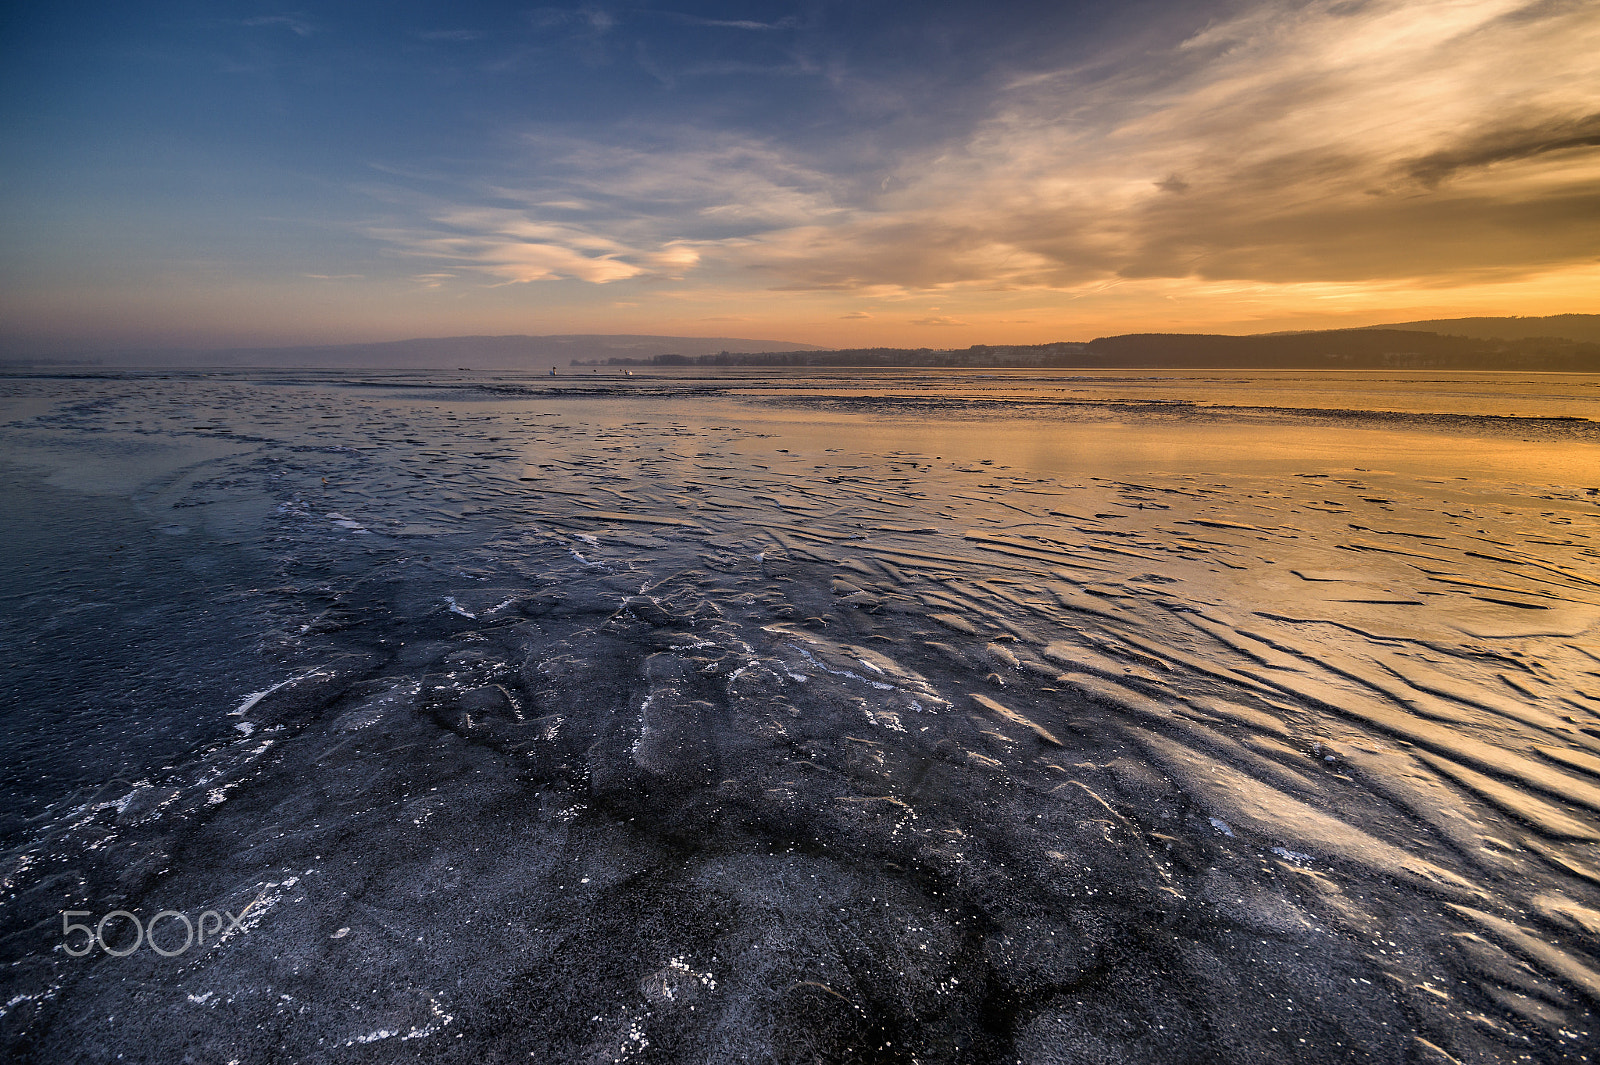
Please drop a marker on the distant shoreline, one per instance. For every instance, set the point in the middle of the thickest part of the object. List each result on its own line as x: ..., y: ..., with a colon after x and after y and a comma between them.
x: 1376, y: 349
x: 1568, y: 343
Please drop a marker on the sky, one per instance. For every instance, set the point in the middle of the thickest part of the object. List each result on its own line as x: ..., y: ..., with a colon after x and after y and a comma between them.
x: 209, y: 173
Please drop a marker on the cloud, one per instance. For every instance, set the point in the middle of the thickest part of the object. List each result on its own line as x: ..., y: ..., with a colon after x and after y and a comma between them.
x: 937, y: 320
x: 735, y: 67
x: 856, y: 314
x: 451, y: 35
x: 510, y: 246
x: 736, y: 24
x: 294, y: 24
x: 1436, y: 141
x: 592, y: 19
x: 705, y: 184
x: 1299, y: 142
x: 1506, y: 144
x: 610, y: 212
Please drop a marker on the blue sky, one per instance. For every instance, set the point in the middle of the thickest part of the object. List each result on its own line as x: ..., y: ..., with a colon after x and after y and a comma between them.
x: 199, y: 174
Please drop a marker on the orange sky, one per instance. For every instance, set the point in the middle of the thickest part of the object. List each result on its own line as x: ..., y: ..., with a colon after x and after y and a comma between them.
x: 1243, y: 168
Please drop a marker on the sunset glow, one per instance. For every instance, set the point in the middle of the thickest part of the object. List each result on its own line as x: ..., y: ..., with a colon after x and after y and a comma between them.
x: 821, y: 173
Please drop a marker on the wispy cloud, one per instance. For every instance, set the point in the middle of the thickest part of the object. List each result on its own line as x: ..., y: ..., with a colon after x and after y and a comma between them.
x: 1294, y: 143
x: 610, y: 212
x: 702, y: 184
x: 1443, y: 141
x: 506, y: 245
x: 736, y: 24
x: 1514, y: 141
x: 295, y: 24
x: 588, y: 17
x: 451, y: 35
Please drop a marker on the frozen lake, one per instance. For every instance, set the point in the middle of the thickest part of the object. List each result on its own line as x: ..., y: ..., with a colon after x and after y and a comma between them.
x: 907, y: 716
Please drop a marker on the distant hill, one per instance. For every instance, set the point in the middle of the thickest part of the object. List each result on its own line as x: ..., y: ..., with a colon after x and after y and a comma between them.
x: 472, y: 352
x: 1390, y: 349
x: 1333, y: 349
x: 1583, y: 327
x: 1566, y: 342
x: 1061, y: 353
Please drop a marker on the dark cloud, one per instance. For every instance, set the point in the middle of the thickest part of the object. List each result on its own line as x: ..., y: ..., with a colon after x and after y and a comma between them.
x: 1505, y: 144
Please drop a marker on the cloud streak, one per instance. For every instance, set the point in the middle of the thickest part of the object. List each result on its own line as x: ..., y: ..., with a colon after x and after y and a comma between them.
x: 1507, y: 144
x: 1435, y: 142
x: 295, y: 25
x: 735, y: 24
x: 1282, y: 147
x: 509, y: 246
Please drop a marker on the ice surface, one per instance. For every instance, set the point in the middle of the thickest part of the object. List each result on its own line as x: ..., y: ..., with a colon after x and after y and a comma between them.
x: 903, y: 718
